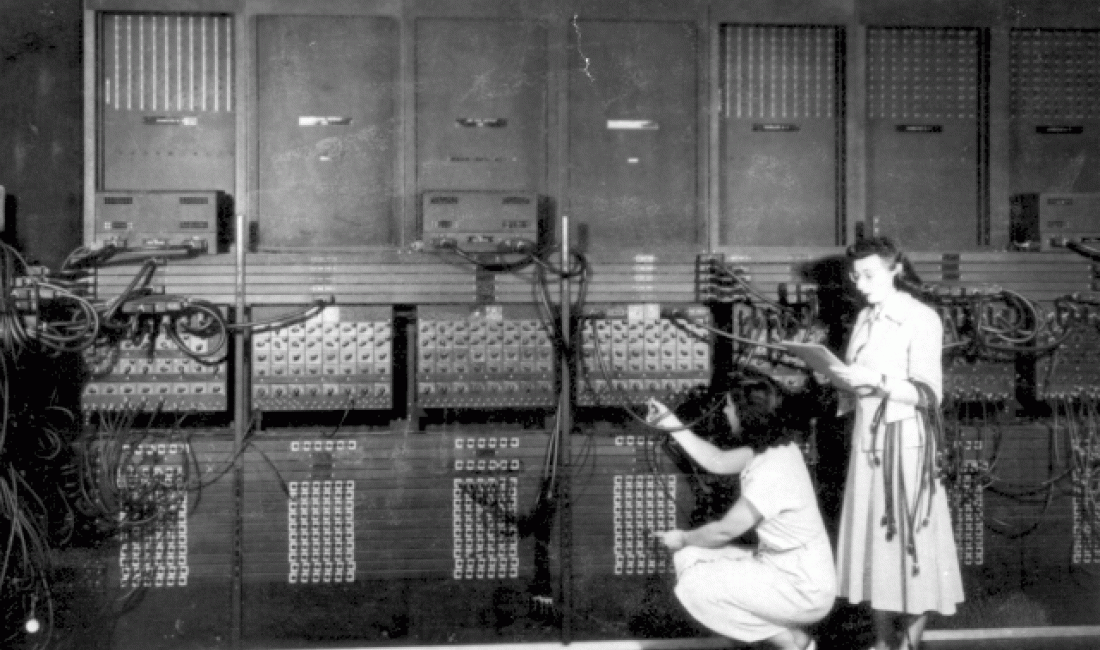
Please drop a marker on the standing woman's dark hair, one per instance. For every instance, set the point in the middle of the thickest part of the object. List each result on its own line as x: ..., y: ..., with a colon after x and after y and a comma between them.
x: 908, y: 280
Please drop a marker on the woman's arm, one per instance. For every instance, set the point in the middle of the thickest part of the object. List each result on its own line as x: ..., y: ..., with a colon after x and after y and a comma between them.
x: 709, y: 457
x: 740, y: 519
x: 865, y: 379
x: 924, y: 363
x: 926, y: 357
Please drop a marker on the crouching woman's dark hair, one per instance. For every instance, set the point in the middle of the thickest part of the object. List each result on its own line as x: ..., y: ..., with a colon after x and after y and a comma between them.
x: 763, y: 407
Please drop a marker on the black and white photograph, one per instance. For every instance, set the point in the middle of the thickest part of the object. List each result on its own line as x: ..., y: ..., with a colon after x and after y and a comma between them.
x: 549, y: 324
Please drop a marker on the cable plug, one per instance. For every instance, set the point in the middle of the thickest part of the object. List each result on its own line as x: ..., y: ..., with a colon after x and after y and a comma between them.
x: 516, y: 246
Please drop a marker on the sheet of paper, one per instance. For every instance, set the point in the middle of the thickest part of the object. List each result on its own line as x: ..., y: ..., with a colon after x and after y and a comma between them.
x: 817, y: 357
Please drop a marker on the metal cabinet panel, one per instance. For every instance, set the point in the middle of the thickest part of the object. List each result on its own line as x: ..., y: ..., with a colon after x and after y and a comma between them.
x: 1055, y: 110
x: 480, y: 104
x: 924, y: 137
x: 633, y: 132
x: 326, y: 112
x: 167, y: 102
x: 780, y: 129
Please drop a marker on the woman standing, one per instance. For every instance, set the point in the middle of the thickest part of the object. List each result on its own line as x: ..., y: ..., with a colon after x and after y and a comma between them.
x: 770, y: 592
x: 896, y: 549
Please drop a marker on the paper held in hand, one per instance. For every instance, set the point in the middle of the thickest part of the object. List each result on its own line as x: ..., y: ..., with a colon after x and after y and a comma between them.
x: 818, y: 358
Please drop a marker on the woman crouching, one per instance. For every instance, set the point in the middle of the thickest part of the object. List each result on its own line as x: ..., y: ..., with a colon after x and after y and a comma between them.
x: 770, y: 592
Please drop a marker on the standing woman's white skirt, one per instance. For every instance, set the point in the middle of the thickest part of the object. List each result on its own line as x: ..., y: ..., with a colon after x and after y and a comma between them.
x: 874, y: 569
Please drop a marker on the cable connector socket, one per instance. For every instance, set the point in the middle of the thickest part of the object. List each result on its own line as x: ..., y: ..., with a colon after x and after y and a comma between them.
x: 518, y: 245
x: 196, y: 244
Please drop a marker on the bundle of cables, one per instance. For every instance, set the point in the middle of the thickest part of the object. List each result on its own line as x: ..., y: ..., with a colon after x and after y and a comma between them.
x: 56, y: 478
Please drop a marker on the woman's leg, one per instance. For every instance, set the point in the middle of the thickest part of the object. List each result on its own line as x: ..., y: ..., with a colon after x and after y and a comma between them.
x: 791, y: 639
x: 913, y: 631
x: 900, y: 631
x: 885, y: 632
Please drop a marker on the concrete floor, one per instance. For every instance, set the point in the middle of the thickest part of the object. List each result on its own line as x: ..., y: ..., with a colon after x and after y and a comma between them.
x: 1043, y: 643
x: 1070, y: 643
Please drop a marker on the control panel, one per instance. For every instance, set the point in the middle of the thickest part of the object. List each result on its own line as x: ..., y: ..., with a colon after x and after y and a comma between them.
x: 971, y: 372
x: 1068, y: 216
x: 642, y: 504
x: 978, y: 379
x: 340, y: 509
x: 153, y: 523
x: 320, y: 517
x: 480, y: 222
x: 769, y: 324
x: 492, y: 356
x: 625, y: 490
x: 1086, y: 528
x: 634, y: 352
x: 1073, y: 368
x: 966, y: 497
x: 486, y: 541
x: 157, y: 219
x: 154, y: 372
x: 340, y: 359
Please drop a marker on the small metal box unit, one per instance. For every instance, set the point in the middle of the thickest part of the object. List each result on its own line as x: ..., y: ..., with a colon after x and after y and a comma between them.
x: 157, y: 218
x: 480, y: 222
x: 1068, y: 216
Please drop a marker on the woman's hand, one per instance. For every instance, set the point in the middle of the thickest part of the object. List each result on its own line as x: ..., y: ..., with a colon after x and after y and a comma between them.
x: 672, y: 539
x: 854, y: 376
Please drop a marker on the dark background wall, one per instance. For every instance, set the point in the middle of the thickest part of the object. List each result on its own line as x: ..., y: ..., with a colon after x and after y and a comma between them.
x: 41, y: 125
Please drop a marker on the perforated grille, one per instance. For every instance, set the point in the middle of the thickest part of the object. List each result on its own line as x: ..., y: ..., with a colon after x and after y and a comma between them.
x: 167, y: 62
x: 922, y: 73
x: 1055, y: 74
x: 779, y: 72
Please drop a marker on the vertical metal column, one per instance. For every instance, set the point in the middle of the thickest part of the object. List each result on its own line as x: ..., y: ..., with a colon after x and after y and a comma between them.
x: 241, y: 421
x: 565, y: 473
x: 412, y: 352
